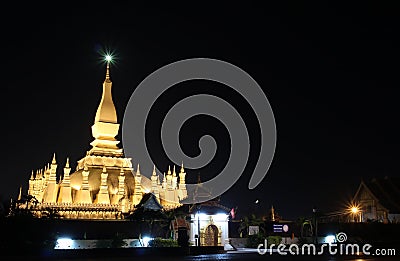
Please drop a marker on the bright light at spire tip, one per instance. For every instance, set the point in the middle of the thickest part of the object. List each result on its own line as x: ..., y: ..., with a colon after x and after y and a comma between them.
x: 108, y: 58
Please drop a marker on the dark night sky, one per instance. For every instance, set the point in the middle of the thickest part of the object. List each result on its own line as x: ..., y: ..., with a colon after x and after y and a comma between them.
x: 329, y: 72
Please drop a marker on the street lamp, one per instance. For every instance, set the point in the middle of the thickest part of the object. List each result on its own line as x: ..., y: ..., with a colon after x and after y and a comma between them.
x: 315, y: 225
x: 356, y: 212
x: 198, y: 224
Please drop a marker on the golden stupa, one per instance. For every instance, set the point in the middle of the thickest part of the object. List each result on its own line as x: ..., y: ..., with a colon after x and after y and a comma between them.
x: 104, y: 185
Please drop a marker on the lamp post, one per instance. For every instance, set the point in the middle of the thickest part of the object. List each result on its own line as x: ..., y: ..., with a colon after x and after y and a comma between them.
x: 198, y: 225
x: 315, y: 225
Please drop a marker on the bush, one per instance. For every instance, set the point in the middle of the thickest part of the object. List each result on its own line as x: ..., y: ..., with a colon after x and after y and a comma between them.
x: 274, y: 240
x: 254, y: 240
x: 183, y: 238
x: 161, y: 242
x: 118, y: 241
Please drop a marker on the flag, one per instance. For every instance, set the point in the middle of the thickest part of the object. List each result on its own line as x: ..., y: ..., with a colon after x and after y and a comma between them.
x: 232, y: 212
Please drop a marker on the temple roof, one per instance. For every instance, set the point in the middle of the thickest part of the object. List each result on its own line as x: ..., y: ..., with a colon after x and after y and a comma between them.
x: 386, y: 190
x: 149, y: 202
x: 209, y: 207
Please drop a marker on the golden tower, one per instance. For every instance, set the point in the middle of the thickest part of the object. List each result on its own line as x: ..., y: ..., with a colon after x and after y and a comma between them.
x: 104, y: 184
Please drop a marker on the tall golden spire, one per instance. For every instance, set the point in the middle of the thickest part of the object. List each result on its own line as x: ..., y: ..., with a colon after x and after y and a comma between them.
x: 105, y: 127
x: 106, y: 110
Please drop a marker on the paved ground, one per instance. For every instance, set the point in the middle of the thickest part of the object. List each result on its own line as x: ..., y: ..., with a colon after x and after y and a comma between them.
x: 248, y: 254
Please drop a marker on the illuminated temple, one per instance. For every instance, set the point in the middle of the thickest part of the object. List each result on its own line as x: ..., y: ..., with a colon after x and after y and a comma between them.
x: 105, y: 184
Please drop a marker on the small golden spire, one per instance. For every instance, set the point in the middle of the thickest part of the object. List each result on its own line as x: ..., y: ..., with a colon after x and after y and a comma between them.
x: 173, y: 172
x: 272, y: 213
x: 54, y: 159
x: 182, y: 168
x: 67, y: 164
x: 138, y: 170
x: 154, y: 170
x: 20, y: 193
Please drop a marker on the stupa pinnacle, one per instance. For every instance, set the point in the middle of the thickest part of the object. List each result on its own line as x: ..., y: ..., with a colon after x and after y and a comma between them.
x: 106, y: 127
